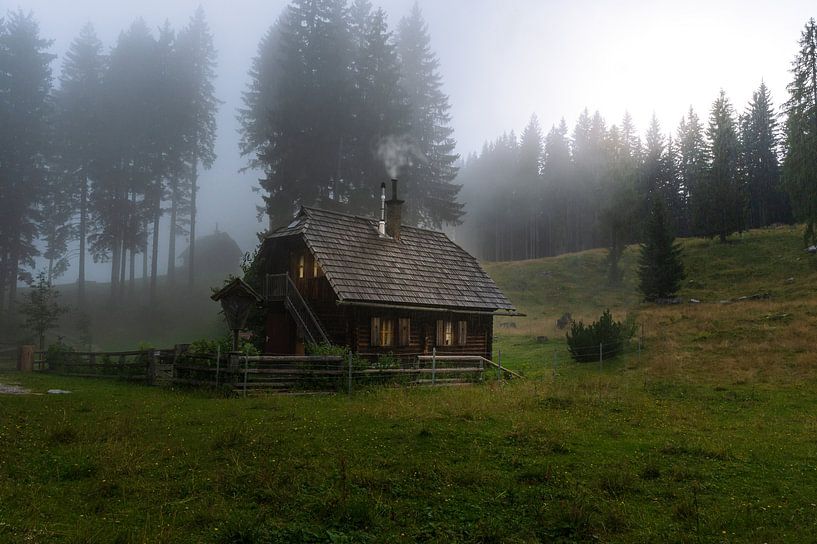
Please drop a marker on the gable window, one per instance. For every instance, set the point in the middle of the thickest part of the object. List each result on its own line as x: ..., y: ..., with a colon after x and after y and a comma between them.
x: 301, y: 266
x: 316, y: 269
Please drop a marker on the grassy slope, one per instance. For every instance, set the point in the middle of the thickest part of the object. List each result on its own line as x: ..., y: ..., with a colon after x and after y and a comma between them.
x: 709, y: 436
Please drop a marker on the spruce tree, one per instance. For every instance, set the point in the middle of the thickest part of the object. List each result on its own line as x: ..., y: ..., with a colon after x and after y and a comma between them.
x: 800, y: 165
x: 759, y: 153
x: 197, y: 64
x: 25, y: 144
x: 723, y: 199
x: 691, y: 165
x: 79, y: 125
x: 40, y: 309
x: 660, y: 269
x: 430, y: 177
x: 297, y: 108
x: 379, y: 105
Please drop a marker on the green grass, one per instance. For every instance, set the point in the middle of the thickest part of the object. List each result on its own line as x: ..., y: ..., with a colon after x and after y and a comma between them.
x: 707, y: 436
x: 597, y: 457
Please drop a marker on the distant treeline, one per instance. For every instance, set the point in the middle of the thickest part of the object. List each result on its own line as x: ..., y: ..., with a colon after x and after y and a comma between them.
x: 539, y: 195
x: 100, y: 157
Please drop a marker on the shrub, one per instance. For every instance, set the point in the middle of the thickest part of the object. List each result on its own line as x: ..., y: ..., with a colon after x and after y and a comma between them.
x: 583, y: 340
x: 210, y: 346
x: 58, y: 355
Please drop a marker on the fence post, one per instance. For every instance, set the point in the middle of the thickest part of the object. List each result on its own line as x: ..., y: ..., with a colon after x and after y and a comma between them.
x: 499, y: 365
x: 151, y: 366
x: 25, y: 358
x: 349, y: 386
x: 554, y: 364
x: 246, y: 368
x: 433, y: 366
x: 218, y: 362
x: 481, y: 369
x: 601, y: 356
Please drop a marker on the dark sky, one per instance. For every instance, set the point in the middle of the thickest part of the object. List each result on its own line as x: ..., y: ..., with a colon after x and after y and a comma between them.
x: 501, y: 61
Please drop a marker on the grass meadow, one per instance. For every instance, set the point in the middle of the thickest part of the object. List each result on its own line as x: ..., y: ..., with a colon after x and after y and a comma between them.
x: 708, y: 435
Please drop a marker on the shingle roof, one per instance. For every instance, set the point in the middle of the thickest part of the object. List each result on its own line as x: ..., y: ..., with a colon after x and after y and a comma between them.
x: 423, y: 268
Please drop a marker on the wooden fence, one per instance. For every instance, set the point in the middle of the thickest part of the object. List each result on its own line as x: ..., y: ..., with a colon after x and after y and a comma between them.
x: 128, y: 365
x: 8, y: 357
x: 274, y: 374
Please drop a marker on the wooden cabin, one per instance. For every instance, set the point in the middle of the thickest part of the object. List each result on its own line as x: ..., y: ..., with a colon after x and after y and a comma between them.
x: 376, y: 286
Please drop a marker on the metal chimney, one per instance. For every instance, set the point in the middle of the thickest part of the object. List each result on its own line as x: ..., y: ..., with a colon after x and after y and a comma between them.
x: 381, y: 226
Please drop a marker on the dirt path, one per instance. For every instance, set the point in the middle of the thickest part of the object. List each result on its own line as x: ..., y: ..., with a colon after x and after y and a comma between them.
x: 13, y: 390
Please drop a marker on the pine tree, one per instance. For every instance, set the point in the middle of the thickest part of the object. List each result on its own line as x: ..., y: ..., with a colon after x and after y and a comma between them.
x: 723, y: 197
x: 297, y: 108
x: 660, y: 269
x: 759, y: 153
x: 528, y: 191
x: 40, y: 310
x: 800, y: 164
x: 78, y: 132
x: 25, y: 83
x: 691, y: 169
x: 430, y: 178
x: 197, y: 73
x: 379, y: 105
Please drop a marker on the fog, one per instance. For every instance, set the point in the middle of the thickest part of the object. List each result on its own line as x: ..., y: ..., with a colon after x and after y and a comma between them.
x: 500, y: 62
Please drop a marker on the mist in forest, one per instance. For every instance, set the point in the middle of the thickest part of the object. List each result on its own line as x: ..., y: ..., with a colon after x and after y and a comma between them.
x: 506, y: 122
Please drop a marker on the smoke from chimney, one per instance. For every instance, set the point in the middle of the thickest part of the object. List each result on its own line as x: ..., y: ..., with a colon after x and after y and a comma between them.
x: 397, y: 152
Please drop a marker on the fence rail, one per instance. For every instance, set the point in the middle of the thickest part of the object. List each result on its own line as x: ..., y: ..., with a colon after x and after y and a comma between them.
x: 269, y: 373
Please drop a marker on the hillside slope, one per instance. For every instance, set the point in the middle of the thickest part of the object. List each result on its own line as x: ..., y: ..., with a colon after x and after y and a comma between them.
x: 766, y: 336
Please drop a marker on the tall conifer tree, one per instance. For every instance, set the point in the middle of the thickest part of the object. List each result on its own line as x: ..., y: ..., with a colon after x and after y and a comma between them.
x: 723, y: 190
x: 800, y: 165
x: 759, y: 152
x: 433, y: 193
x: 79, y: 126
x: 25, y: 137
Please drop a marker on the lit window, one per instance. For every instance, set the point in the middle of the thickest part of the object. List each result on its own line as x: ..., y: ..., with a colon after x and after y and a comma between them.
x: 316, y: 270
x: 301, y: 266
x: 445, y: 333
x: 386, y: 332
x: 382, y: 332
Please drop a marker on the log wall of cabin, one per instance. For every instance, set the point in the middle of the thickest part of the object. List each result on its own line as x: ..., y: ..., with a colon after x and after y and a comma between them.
x: 351, y: 325
x: 423, y: 333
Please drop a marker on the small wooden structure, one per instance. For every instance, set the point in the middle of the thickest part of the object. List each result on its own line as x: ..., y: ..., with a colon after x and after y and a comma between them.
x: 378, y: 287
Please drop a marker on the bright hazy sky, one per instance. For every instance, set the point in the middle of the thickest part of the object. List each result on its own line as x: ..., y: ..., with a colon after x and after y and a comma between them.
x: 501, y: 61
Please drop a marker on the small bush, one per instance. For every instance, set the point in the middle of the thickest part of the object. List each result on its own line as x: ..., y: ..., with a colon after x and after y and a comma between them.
x: 583, y: 341
x: 59, y: 355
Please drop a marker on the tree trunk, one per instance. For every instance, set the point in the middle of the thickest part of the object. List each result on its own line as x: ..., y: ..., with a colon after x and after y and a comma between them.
x: 4, y: 269
x: 122, y: 270
x: 154, y: 263
x: 191, y: 252
x: 83, y: 226
x: 145, y: 260
x: 115, y: 267
x: 13, y: 263
x: 171, y: 249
